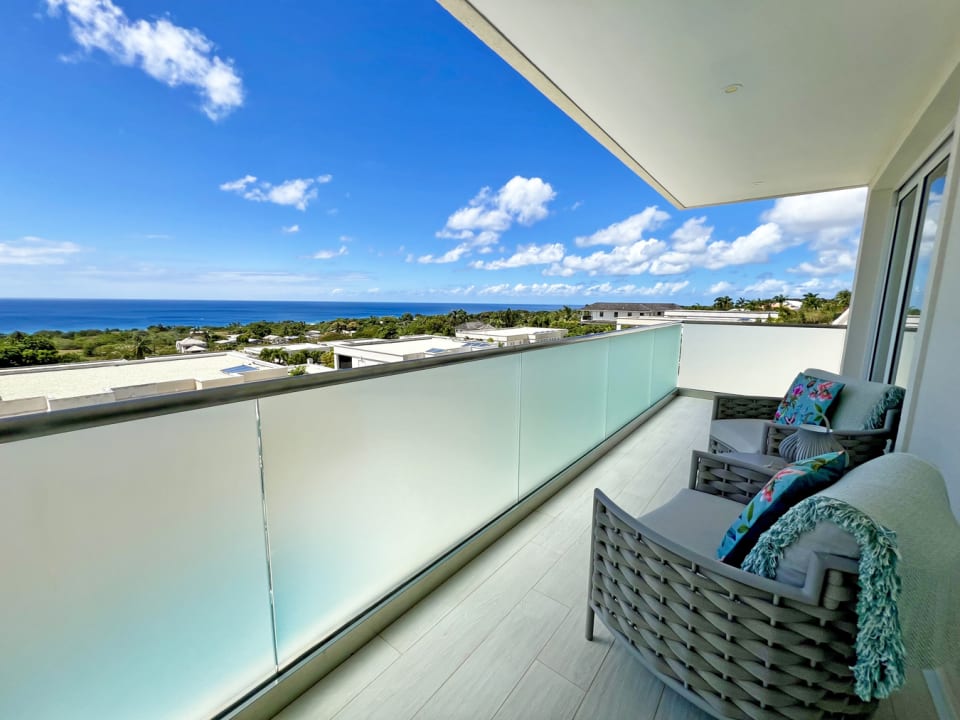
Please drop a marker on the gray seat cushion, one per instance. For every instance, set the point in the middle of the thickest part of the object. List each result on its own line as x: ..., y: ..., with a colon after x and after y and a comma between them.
x: 861, y: 404
x: 742, y: 434
x: 694, y: 519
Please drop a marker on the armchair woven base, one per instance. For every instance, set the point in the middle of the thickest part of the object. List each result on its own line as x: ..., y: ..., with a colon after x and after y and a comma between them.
x: 735, y: 650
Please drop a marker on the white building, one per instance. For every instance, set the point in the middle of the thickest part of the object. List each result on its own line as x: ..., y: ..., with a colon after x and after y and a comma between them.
x: 505, y: 337
x: 718, y: 316
x: 58, y: 387
x: 191, y: 345
x: 610, y: 312
x: 349, y: 354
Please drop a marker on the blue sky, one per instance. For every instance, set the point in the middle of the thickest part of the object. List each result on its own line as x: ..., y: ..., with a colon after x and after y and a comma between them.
x: 343, y: 151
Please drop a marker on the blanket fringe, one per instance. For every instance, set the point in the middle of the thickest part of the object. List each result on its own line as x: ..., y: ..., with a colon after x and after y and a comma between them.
x: 880, y: 652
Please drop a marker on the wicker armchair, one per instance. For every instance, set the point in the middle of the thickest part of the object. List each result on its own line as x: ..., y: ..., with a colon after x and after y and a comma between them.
x: 735, y: 644
x: 754, y: 431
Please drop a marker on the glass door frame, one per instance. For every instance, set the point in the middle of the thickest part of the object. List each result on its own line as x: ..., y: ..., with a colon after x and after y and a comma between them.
x: 901, y: 263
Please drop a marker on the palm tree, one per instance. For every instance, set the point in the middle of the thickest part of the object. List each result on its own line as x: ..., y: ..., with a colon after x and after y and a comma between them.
x: 458, y: 316
x: 813, y: 301
x: 724, y: 302
x: 141, y: 347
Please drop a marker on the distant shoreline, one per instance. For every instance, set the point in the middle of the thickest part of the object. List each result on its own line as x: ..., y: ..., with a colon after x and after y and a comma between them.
x: 73, y: 315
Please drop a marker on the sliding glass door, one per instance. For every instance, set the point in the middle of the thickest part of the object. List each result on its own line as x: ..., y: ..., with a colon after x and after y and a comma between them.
x: 915, y: 233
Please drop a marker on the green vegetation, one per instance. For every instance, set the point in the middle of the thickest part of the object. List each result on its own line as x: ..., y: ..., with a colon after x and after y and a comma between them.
x: 55, y: 346
x: 19, y: 350
x: 814, y: 310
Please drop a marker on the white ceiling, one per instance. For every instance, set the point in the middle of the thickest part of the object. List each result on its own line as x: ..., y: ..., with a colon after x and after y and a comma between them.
x: 830, y: 87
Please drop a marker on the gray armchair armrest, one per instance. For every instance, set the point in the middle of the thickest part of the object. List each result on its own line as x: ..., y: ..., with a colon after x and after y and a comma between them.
x: 717, y: 474
x: 726, y: 407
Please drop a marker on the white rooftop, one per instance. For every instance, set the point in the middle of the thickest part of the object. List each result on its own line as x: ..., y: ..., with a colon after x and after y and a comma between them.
x: 292, y: 347
x: 400, y: 348
x: 77, y: 379
x: 509, y: 332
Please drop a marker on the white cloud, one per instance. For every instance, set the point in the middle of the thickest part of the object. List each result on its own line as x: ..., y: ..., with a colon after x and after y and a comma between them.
x: 291, y: 228
x: 31, y: 250
x: 337, y: 291
x: 829, y: 262
x: 660, y: 289
x: 555, y: 289
x: 169, y: 53
x: 722, y: 286
x: 626, y: 231
x: 488, y: 215
x: 757, y: 247
x: 297, y: 192
x: 928, y: 235
x: 525, y: 255
x: 624, y: 260
x: 463, y: 290
x: 501, y: 289
x: 448, y: 257
x: 239, y: 185
x: 328, y: 254
x: 768, y: 288
x: 374, y: 291
x: 692, y: 236
x: 773, y: 286
x: 826, y: 219
x: 258, y: 278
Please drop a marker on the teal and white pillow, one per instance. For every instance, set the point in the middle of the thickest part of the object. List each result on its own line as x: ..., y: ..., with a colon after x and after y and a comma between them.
x: 807, y: 401
x: 789, y: 486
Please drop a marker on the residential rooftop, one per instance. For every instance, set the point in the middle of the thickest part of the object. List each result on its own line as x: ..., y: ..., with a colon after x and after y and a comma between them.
x: 80, y: 379
x: 635, y: 307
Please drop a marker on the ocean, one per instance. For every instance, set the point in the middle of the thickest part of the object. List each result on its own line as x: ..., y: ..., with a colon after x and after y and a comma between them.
x: 30, y: 315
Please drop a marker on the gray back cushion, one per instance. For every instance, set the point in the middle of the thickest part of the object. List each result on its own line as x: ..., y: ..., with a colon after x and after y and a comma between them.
x: 862, y: 404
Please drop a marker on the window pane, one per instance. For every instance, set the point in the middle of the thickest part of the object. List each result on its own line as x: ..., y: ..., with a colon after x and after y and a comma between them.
x: 920, y: 269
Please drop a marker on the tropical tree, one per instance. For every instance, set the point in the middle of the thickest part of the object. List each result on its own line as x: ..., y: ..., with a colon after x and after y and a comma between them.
x: 812, y: 301
x: 458, y: 316
x: 843, y: 298
x: 141, y: 347
x: 724, y: 302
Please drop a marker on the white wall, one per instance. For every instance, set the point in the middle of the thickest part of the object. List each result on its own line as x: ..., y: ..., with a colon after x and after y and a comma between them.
x: 930, y: 424
x: 754, y: 359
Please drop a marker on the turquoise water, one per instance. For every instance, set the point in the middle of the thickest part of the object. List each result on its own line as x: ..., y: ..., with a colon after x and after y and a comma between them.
x: 30, y: 315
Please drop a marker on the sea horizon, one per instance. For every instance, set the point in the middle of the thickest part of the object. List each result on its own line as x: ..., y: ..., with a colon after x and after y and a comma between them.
x: 30, y: 315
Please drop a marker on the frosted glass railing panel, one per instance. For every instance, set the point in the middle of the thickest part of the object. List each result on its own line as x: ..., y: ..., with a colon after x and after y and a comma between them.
x: 369, y: 481
x: 563, y: 394
x: 666, y: 360
x: 134, y: 569
x: 755, y: 359
x: 629, y: 367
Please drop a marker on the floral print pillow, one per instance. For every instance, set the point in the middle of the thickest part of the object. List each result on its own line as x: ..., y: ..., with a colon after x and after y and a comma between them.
x: 807, y: 400
x: 784, y: 490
